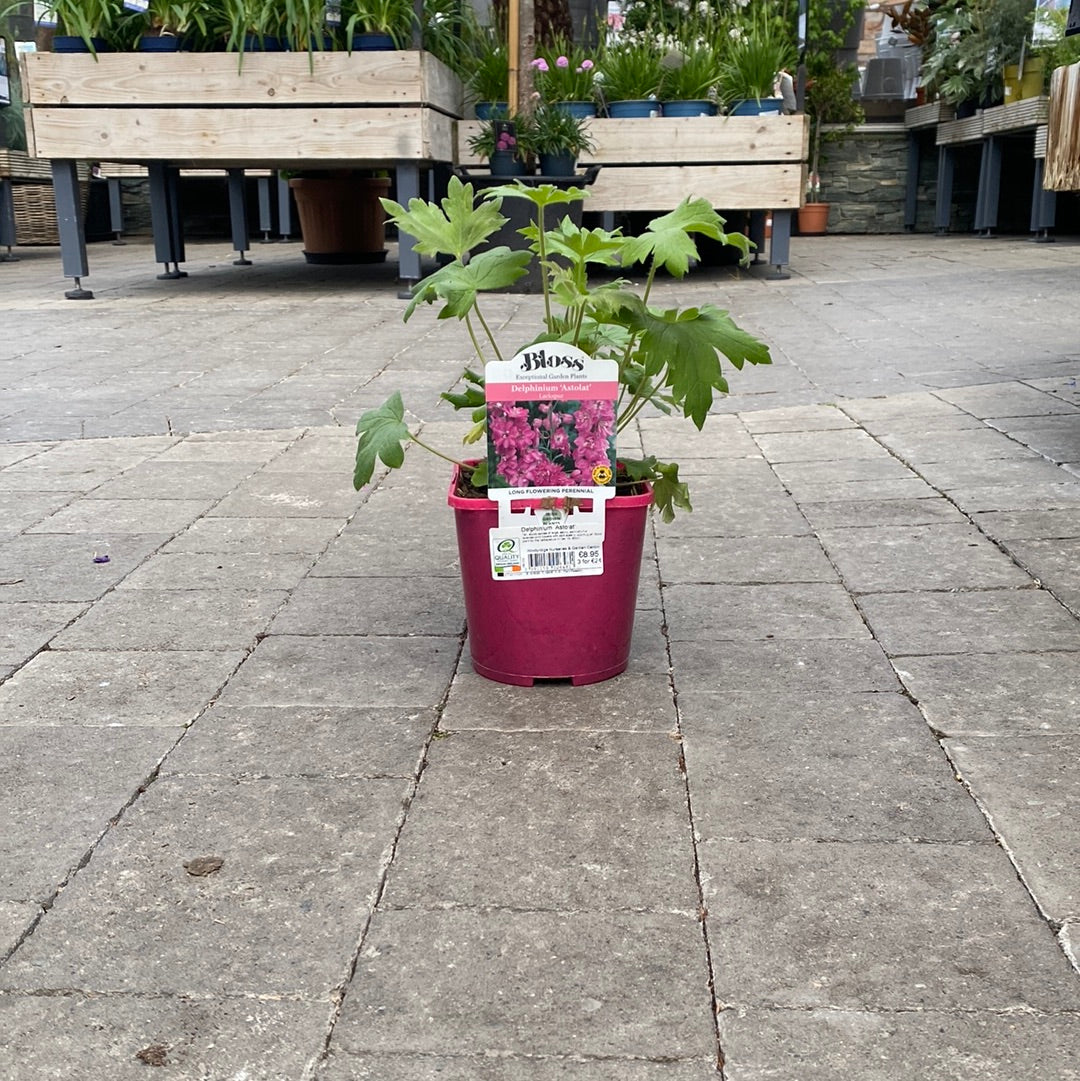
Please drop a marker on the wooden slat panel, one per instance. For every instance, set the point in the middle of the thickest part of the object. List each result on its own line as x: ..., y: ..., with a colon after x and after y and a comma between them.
x: 734, y: 187
x: 926, y: 116
x: 679, y: 140
x: 1020, y: 115
x: 1040, y: 141
x: 20, y: 166
x: 209, y: 137
x: 1063, y: 131
x: 140, y: 79
x: 968, y: 130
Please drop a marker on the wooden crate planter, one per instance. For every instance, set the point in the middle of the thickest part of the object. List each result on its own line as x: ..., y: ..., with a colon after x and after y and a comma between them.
x: 199, y: 110
x: 734, y: 162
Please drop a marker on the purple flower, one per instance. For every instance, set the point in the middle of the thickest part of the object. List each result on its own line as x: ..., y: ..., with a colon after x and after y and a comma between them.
x: 539, y: 63
x: 562, y: 62
x: 586, y: 65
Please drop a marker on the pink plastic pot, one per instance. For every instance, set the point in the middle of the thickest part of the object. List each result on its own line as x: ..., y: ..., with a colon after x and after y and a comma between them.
x: 577, y: 628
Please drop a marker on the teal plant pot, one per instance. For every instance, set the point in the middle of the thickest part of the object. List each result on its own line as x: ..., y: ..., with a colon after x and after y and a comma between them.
x: 689, y: 108
x: 580, y: 110
x: 625, y: 110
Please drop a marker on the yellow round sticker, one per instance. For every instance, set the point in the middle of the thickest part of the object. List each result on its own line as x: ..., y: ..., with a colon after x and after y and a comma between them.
x: 601, y: 475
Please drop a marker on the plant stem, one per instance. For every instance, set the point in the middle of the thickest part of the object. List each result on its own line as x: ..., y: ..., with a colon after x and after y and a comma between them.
x: 432, y: 450
x: 487, y: 332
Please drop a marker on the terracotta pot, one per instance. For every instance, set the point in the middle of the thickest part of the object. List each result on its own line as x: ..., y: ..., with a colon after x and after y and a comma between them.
x: 341, y: 218
x: 813, y: 218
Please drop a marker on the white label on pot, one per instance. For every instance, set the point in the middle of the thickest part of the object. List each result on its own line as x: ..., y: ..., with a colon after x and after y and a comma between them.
x: 549, y: 543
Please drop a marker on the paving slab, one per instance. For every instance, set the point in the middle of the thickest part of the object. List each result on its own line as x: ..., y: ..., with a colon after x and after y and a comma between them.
x: 107, y: 517
x: 989, y: 621
x: 347, y: 670
x: 631, y: 702
x: 498, y: 982
x: 95, y: 688
x: 1029, y: 525
x: 957, y: 473
x: 737, y: 560
x: 407, y: 1067
x: 225, y: 571
x: 741, y: 671
x: 874, y: 927
x: 71, y: 1037
x: 26, y: 626
x: 800, y: 477
x: 955, y: 1045
x: 1029, y: 788
x: 59, y: 789
x: 818, y: 446
x: 243, y: 536
x: 796, y: 419
x: 168, y: 619
x: 135, y: 920
x: 929, y: 557
x: 882, y: 512
x: 607, y: 827
x: 1005, y: 400
x: 742, y: 510
x: 725, y: 612
x: 1056, y: 563
x: 997, y: 694
x: 1043, y: 496
x: 951, y: 445
x: 291, y: 495
x: 45, y: 567
x: 20, y: 510
x: 1056, y: 438
x: 722, y: 437
x: 845, y: 768
x: 380, y: 547
x: 857, y: 491
x: 80, y: 465
x: 378, y: 606
x: 288, y: 741
x: 176, y: 480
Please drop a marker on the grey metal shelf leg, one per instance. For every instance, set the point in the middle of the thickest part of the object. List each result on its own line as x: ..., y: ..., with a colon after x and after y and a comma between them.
x: 1043, y: 206
x: 285, y: 222
x: 7, y: 222
x: 70, y: 221
x: 757, y: 233
x: 166, y: 219
x: 946, y: 169
x: 989, y: 197
x: 265, y: 221
x: 116, y: 209
x: 238, y: 216
x: 780, y: 245
x: 408, y: 187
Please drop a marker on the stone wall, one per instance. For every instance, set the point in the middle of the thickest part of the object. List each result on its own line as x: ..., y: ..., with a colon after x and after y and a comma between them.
x: 864, y: 178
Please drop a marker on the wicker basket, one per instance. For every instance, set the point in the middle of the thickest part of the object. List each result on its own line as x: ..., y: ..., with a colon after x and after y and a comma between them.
x: 35, y: 212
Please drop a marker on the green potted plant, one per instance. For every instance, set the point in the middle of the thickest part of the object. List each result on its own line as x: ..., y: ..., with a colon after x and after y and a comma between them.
x: 690, y: 81
x: 172, y: 24
x: 558, y: 138
x: 659, y: 358
x: 753, y: 54
x: 81, y: 25
x: 628, y: 78
x: 488, y: 78
x: 503, y: 139
x: 250, y: 26
x: 378, y: 24
x: 565, y: 74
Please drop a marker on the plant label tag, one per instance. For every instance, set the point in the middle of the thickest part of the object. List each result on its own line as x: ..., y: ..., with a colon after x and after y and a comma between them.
x: 549, y: 543
x: 551, y: 442
x: 141, y: 6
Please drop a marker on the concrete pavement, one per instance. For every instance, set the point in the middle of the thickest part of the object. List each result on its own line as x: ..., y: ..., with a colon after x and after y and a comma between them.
x: 823, y: 829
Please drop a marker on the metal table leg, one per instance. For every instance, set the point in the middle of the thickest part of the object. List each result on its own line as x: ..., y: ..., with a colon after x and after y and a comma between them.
x: 70, y: 220
x: 1043, y: 206
x: 408, y: 187
x: 238, y: 216
x: 116, y: 208
x: 780, y: 245
x: 7, y: 222
x: 946, y: 170
x: 285, y: 222
x: 166, y: 219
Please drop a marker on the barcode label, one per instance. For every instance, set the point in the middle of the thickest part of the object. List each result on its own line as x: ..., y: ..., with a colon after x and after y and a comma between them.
x: 512, y: 556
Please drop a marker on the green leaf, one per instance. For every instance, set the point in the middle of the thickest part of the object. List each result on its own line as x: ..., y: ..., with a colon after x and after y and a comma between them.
x: 453, y: 227
x: 667, y: 239
x: 471, y: 398
x: 381, y: 433
x: 668, y: 491
x: 541, y: 196
x: 458, y: 283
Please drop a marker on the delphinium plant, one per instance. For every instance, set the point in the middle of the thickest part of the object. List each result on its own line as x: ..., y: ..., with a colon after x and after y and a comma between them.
x: 671, y: 360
